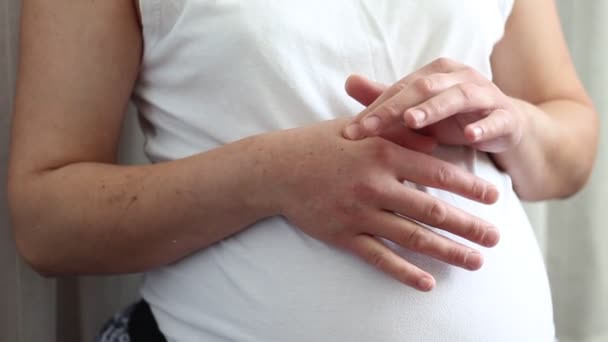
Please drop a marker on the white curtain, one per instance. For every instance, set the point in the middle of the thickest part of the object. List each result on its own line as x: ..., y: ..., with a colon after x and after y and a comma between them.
x: 571, y: 232
x: 574, y: 232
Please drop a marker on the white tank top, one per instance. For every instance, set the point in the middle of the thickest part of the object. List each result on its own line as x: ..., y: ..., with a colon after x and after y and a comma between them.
x: 215, y: 71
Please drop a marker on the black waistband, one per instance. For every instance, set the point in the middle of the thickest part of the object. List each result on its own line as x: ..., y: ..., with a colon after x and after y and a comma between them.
x: 143, y: 326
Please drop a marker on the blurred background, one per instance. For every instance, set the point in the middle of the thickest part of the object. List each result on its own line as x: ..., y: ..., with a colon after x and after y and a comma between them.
x: 572, y: 233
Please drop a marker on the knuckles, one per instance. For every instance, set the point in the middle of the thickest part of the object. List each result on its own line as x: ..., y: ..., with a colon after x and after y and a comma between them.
x: 366, y: 190
x: 377, y: 258
x: 382, y: 152
x: 424, y: 86
x: 473, y: 75
x: 477, y: 231
x: 443, y: 175
x: 392, y: 110
x: 437, y: 213
x: 457, y: 255
x: 400, y: 86
x: 469, y: 91
x: 478, y: 190
x: 419, y: 240
x: 444, y: 64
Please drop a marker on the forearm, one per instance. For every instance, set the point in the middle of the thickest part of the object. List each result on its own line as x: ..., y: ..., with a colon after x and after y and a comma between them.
x: 557, y: 151
x: 91, y: 218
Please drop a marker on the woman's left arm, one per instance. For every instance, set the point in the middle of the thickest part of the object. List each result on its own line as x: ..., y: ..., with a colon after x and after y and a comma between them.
x: 531, y: 64
x: 535, y: 117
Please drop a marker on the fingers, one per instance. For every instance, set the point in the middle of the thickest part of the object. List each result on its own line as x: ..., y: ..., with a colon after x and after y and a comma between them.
x: 366, y: 91
x: 460, y: 98
x: 429, y: 171
x: 363, y: 90
x: 430, y: 210
x: 379, y: 255
x: 389, y: 108
x: 417, y: 238
x: 355, y: 130
x: 389, y: 112
x: 498, y: 124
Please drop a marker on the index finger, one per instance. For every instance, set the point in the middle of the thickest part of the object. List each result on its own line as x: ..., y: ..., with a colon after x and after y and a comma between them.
x: 355, y: 131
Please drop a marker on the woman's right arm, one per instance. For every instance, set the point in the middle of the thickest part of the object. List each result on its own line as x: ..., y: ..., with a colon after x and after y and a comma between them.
x: 75, y: 212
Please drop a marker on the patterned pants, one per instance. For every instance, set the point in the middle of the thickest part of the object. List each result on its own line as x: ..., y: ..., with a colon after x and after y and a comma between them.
x: 116, y: 329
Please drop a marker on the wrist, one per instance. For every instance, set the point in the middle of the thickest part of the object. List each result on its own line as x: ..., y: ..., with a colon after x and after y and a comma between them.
x: 281, y: 159
x: 526, y: 161
x: 263, y: 171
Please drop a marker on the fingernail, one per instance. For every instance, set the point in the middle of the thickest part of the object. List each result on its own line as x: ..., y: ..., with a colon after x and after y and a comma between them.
x: 425, y: 284
x: 371, y: 123
x: 353, y: 131
x: 418, y: 117
x: 477, y: 133
x: 491, y: 237
x: 473, y: 260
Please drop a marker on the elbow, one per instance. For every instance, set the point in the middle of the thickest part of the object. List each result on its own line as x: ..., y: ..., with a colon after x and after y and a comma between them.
x: 561, y: 180
x: 35, y: 256
x: 36, y: 246
x: 36, y: 229
x: 570, y: 182
x: 575, y: 178
x: 33, y: 245
x: 556, y: 185
x: 574, y: 182
x: 29, y: 238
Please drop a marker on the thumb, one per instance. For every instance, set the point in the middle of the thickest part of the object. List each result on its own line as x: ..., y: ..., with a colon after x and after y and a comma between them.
x: 364, y: 90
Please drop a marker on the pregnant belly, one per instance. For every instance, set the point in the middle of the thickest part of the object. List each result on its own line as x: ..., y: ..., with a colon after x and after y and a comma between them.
x: 273, y: 283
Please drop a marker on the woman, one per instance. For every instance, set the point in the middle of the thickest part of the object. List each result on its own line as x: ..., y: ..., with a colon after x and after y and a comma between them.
x: 263, y: 192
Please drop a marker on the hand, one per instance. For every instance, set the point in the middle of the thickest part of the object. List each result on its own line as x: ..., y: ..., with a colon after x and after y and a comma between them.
x: 347, y: 193
x: 449, y: 101
x: 366, y: 92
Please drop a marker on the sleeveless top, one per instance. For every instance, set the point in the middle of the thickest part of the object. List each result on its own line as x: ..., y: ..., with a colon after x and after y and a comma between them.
x: 216, y: 71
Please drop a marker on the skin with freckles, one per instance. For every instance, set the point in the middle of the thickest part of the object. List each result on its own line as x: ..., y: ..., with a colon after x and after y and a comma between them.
x: 360, y: 208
